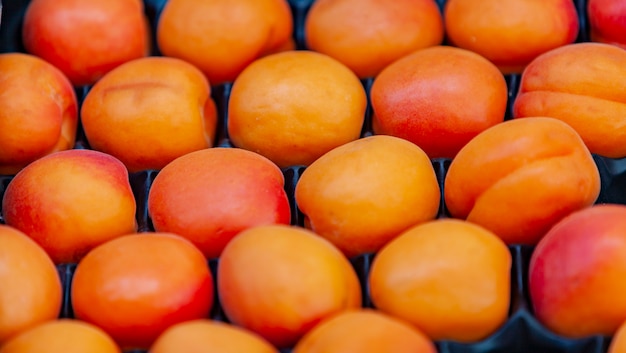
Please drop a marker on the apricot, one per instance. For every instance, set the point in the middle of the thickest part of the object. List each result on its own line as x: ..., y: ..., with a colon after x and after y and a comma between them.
x: 136, y: 286
x: 368, y: 35
x: 438, y: 98
x: 576, y: 271
x: 510, y: 33
x: 364, y: 331
x: 583, y: 85
x: 149, y: 111
x: 31, y: 288
x: 39, y: 111
x: 209, y: 196
x: 207, y: 336
x: 361, y: 195
x: 520, y: 177
x: 293, y: 107
x: 221, y: 38
x: 449, y: 278
x: 280, y: 281
x: 71, y: 201
x: 607, y: 20
x: 86, y: 38
x: 62, y: 336
x: 618, y: 342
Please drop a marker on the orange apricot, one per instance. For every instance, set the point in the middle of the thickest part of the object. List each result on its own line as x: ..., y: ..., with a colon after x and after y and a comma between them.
x: 581, y: 84
x: 449, y: 278
x: 361, y: 195
x: 511, y: 33
x: 364, y: 331
x: 31, y: 288
x: 39, y: 111
x: 62, y: 336
x: 149, y: 111
x: 221, y: 38
x: 520, y: 177
x: 292, y: 107
x: 207, y: 336
x: 280, y: 281
x: 368, y: 35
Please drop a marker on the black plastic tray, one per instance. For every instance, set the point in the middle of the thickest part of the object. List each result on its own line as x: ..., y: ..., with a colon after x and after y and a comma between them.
x: 521, y: 332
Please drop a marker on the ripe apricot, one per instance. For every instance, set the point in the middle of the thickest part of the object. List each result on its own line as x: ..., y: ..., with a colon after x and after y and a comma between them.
x: 279, y: 281
x: 206, y: 336
x: 368, y: 35
x: 62, y: 336
x: 39, y: 111
x: 438, y: 98
x: 209, y: 196
x: 86, y: 38
x: 511, y: 33
x: 136, y: 286
x: 576, y: 271
x: 607, y: 20
x: 149, y: 111
x: 364, y: 331
x: 361, y: 195
x: 221, y: 38
x: 31, y: 289
x: 449, y: 278
x: 292, y: 107
x: 581, y: 84
x: 71, y: 201
x: 520, y: 177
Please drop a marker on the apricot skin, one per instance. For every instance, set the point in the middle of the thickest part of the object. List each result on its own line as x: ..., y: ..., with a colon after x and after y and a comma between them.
x: 520, y: 177
x: 576, y: 273
x: 583, y: 85
x: 39, y: 112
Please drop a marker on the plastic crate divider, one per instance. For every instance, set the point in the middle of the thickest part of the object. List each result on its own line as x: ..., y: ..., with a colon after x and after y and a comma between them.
x: 140, y: 183
x: 292, y: 175
x: 613, y: 179
x: 217, y: 312
x: 299, y: 10
x: 367, y: 129
x: 66, y: 274
x: 441, y: 166
x: 81, y: 141
x: 153, y: 9
x: 512, y: 84
x: 4, y: 183
x: 221, y: 96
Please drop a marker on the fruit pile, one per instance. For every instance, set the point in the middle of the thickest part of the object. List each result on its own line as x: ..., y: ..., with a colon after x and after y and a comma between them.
x: 313, y: 176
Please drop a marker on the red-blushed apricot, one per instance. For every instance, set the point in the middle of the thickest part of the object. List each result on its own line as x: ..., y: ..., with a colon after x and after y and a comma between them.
x: 62, y: 336
x: 209, y: 196
x: 361, y: 195
x: 39, y: 111
x: 71, y: 201
x: 368, y: 35
x: 576, y: 271
x: 581, y: 84
x: 136, y: 286
x: 207, y: 336
x: 438, y: 98
x: 511, y: 33
x: 364, y: 331
x: 280, y: 281
x: 607, y: 21
x: 520, y: 177
x: 149, y: 111
x: 86, y: 38
x: 223, y: 37
x: 31, y: 288
x: 292, y: 107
